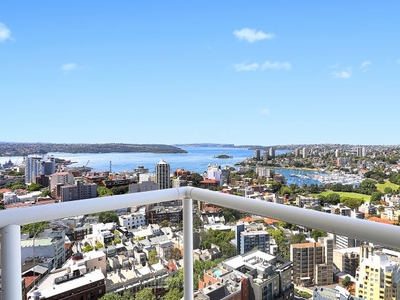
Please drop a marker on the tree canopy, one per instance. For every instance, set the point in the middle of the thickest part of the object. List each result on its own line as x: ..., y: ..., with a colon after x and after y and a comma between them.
x: 34, y: 228
x: 107, y: 216
x: 145, y: 294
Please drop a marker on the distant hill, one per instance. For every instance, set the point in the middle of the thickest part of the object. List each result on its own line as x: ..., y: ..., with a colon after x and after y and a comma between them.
x: 23, y: 149
x: 206, y: 145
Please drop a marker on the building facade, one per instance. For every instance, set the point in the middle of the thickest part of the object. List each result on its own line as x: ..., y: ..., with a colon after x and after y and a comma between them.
x: 163, y: 175
x: 313, y: 262
x: 377, y: 277
x: 38, y: 165
x: 78, y: 191
x: 250, y: 240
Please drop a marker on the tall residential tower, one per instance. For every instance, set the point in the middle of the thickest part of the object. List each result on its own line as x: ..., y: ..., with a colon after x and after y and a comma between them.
x: 163, y: 171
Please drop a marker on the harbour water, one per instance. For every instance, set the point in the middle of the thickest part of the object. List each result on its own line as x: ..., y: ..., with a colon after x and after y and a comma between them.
x: 195, y: 160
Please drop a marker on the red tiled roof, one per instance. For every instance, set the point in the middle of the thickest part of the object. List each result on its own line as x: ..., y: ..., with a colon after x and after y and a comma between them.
x: 270, y: 221
x: 376, y: 219
x: 16, y: 205
x: 248, y: 219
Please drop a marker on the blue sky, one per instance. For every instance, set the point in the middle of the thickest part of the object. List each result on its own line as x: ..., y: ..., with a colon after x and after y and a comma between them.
x: 170, y: 72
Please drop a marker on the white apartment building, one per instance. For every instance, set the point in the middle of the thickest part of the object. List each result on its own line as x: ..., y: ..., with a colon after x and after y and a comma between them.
x: 214, y: 172
x: 10, y: 197
x: 263, y: 172
x: 102, y: 232
x: 46, y: 247
x: 38, y: 165
x: 132, y: 221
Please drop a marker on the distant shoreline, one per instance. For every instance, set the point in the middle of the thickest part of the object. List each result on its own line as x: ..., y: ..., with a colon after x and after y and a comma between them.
x: 24, y: 149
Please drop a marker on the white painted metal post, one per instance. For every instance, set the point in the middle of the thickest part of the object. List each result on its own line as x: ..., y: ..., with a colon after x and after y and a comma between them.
x: 11, y: 262
x: 188, y: 248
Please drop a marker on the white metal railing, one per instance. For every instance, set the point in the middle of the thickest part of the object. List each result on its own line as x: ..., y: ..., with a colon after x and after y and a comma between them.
x: 10, y: 221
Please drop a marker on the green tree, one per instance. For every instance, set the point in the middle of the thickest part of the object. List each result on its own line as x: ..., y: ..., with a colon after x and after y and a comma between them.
x: 34, y: 228
x: 107, y: 216
x: 15, y: 173
x: 297, y: 238
x: 145, y: 294
x: 367, y: 187
x: 285, y: 190
x: 175, y: 254
x: 346, y: 281
x: 285, y: 225
x: 103, y: 191
x: 274, y: 186
x: 120, y: 190
x: 281, y: 241
x: 34, y: 187
x: 316, y: 233
x: 388, y: 190
x: 115, y: 296
x: 197, y: 222
x: 353, y: 203
x: 173, y: 294
x: 176, y: 281
x: 376, y: 197
x: 228, y: 250
x: 99, y: 245
x: 127, y: 295
x: 87, y: 248
x: 164, y: 223
x: 15, y: 185
x: 231, y: 215
x: 111, y: 296
x: 45, y: 193
x: 196, y: 178
x: 332, y: 198
x: 153, y: 259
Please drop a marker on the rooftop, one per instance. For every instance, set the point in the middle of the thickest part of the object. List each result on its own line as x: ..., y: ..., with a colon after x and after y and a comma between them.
x: 10, y: 221
x: 48, y: 288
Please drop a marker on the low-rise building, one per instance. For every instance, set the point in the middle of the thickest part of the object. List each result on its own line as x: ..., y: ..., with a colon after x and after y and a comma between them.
x: 132, y: 221
x: 347, y: 260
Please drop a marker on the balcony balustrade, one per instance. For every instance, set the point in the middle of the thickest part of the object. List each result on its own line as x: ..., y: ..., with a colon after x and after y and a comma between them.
x: 12, y: 219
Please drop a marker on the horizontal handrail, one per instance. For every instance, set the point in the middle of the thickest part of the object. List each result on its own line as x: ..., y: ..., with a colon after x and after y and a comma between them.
x: 382, y: 234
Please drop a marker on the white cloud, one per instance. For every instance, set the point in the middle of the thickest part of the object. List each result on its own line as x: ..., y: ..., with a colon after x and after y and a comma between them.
x: 276, y: 65
x: 5, y: 33
x: 265, y: 112
x: 365, y: 66
x: 343, y: 74
x: 69, y: 67
x: 243, y: 67
x: 251, y: 35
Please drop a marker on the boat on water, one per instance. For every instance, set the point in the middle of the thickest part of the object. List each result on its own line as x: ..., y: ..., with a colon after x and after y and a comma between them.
x: 223, y: 156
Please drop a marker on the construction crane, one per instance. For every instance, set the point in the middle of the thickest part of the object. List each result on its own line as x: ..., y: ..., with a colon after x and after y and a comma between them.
x: 87, y: 163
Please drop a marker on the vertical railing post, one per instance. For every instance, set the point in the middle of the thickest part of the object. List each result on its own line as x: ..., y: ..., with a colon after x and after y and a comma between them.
x: 11, y: 262
x: 188, y: 248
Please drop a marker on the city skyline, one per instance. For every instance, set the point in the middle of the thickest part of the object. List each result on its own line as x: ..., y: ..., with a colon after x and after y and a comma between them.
x: 178, y: 73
